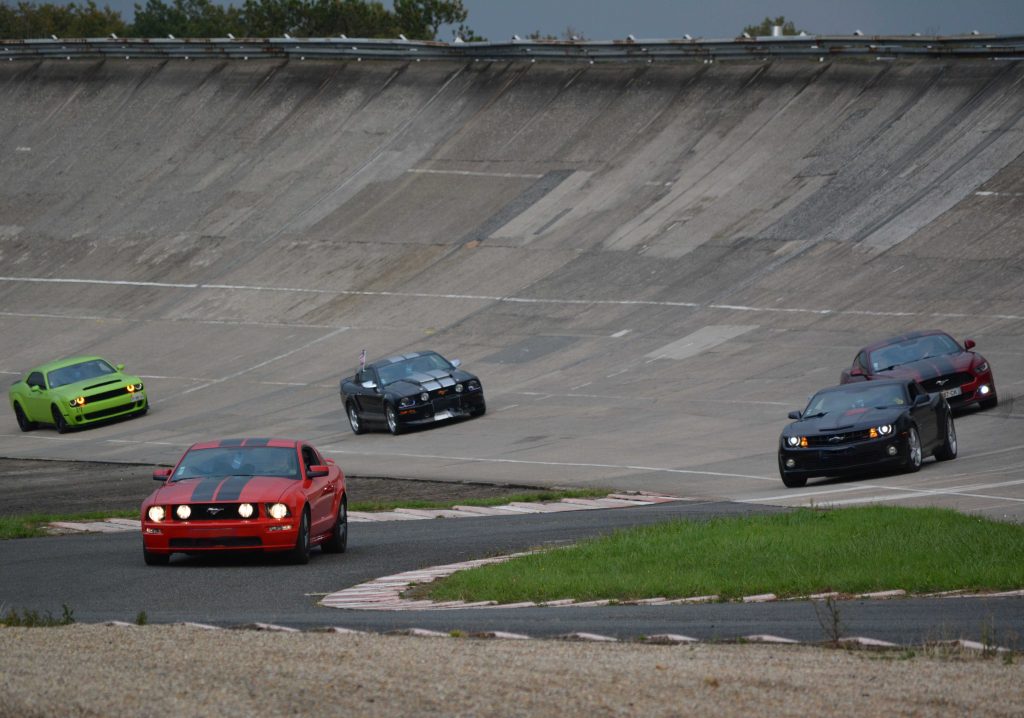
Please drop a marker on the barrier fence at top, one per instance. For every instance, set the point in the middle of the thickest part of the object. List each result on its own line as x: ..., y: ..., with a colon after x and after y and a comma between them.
x: 631, y: 50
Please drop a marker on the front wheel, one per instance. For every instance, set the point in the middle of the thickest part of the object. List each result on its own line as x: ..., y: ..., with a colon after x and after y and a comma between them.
x: 353, y: 419
x: 478, y: 410
x: 155, y: 559
x: 947, y: 450
x: 59, y: 422
x: 392, y: 418
x: 914, y: 453
x: 23, y: 423
x: 300, y: 554
x: 338, y: 541
x: 989, y: 403
x: 791, y: 482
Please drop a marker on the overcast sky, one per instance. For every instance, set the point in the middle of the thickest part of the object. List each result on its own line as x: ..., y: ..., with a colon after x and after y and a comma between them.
x: 498, y: 20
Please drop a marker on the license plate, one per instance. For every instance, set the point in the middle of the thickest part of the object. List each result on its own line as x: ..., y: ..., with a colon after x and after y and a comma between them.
x: 445, y: 414
x: 949, y: 393
x: 137, y: 396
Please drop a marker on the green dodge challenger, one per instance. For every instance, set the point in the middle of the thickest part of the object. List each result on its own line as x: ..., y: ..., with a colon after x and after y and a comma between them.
x: 76, y: 392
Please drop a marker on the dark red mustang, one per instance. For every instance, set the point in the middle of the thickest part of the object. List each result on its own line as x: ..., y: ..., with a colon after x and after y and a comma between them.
x: 934, y: 359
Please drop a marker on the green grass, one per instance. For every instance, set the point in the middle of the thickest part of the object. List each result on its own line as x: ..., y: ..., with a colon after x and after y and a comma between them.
x: 31, y: 525
x: 491, y: 501
x: 793, y: 554
x: 34, y: 619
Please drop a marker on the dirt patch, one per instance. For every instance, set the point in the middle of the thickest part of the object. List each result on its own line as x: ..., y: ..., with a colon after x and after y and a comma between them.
x: 65, y: 487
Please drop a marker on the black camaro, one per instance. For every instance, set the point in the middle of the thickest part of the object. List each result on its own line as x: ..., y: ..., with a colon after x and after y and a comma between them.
x: 409, y: 390
x: 863, y: 427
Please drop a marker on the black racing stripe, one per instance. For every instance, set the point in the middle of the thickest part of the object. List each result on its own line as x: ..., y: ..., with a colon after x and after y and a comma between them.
x: 257, y: 442
x: 232, y: 442
x: 231, y: 489
x: 206, y: 488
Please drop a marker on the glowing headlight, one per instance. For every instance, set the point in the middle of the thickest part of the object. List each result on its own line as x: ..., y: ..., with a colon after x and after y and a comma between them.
x: 78, y: 401
x: 183, y: 512
x: 245, y: 510
x: 885, y: 429
x: 424, y: 396
x: 278, y: 511
x: 793, y: 440
x: 458, y: 388
x: 133, y: 387
x: 981, y: 368
x: 156, y: 513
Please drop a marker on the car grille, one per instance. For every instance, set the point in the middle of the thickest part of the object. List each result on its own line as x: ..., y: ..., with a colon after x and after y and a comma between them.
x: 107, y: 395
x: 222, y: 542
x: 111, y: 411
x: 949, y: 381
x: 219, y: 512
x: 443, y: 403
x: 839, y: 439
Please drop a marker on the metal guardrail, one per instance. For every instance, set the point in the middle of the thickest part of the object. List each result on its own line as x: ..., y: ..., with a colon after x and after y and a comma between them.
x: 631, y: 50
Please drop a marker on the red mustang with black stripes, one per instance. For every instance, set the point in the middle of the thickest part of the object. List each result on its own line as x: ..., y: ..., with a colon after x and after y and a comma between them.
x: 277, y: 495
x: 934, y: 359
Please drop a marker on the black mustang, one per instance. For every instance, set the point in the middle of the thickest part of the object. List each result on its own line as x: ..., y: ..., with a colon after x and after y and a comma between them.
x: 866, y: 426
x: 408, y: 390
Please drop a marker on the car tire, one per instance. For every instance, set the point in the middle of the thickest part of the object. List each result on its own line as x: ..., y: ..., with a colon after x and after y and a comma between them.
x: 354, y: 420
x: 59, y: 422
x: 479, y: 410
x: 155, y: 559
x: 947, y: 450
x: 915, y: 455
x: 299, y: 555
x: 142, y: 411
x: 790, y: 481
x: 391, y: 417
x: 23, y: 423
x: 338, y: 541
x: 989, y: 403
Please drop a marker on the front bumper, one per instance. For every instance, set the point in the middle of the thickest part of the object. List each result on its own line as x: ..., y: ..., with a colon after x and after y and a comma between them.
x: 105, y: 409
x: 982, y: 388
x: 454, y: 407
x: 174, y: 536
x: 861, y: 456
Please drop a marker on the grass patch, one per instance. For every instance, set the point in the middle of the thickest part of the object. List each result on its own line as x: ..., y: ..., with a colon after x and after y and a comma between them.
x: 526, y: 497
x: 31, y: 525
x: 806, y: 551
x: 33, y: 619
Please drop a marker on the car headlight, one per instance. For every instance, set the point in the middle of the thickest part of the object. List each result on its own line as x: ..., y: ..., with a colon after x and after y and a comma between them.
x: 277, y: 511
x: 981, y: 368
x: 183, y: 512
x: 473, y: 385
x: 131, y: 388
x: 78, y: 401
x: 245, y: 510
x: 424, y: 396
x: 883, y: 431
x: 793, y: 440
x: 406, y: 402
x: 458, y: 388
x: 156, y: 513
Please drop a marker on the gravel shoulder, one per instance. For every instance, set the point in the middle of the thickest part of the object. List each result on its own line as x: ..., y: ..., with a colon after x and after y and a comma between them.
x: 66, y: 487
x: 178, y: 670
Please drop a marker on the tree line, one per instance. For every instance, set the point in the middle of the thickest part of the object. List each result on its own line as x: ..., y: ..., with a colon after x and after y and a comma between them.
x: 416, y: 19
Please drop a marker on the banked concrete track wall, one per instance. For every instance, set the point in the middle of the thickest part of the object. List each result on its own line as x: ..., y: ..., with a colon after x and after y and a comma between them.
x: 648, y: 264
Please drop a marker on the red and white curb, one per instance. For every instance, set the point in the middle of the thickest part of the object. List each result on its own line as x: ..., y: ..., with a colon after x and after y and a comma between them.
x: 515, y: 508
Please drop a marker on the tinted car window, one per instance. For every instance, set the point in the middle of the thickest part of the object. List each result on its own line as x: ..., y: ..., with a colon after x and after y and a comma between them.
x: 866, y: 395
x: 239, y: 460
x: 912, y: 350
x: 78, y: 372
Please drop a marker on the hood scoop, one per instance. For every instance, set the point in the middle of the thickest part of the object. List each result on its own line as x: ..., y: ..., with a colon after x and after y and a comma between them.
x: 102, y: 383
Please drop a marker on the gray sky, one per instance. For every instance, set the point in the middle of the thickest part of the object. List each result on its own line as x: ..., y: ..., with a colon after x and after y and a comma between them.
x: 497, y: 20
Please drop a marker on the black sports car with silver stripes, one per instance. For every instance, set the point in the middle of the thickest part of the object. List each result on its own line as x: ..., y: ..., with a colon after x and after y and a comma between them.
x: 864, y: 427
x: 410, y: 390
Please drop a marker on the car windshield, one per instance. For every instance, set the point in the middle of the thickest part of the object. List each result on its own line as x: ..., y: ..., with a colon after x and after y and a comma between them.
x: 391, y: 373
x: 239, y: 461
x: 912, y: 350
x: 859, y: 396
x: 78, y: 372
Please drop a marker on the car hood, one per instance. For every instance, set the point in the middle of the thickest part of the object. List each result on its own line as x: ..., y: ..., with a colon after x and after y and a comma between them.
x: 850, y: 420
x: 97, y: 383
x: 428, y: 381
x: 214, y: 489
x: 931, y: 367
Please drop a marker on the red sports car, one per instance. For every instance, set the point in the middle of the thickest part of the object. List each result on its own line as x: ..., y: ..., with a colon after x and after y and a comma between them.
x: 934, y: 359
x: 246, y: 494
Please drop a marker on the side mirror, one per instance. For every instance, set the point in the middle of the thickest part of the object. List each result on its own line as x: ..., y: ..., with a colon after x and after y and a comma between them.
x: 921, y: 399
x: 162, y: 474
x: 456, y: 363
x: 856, y: 371
x: 969, y: 344
x: 119, y: 367
x: 368, y: 385
x: 34, y: 388
x: 795, y: 415
x: 317, y: 470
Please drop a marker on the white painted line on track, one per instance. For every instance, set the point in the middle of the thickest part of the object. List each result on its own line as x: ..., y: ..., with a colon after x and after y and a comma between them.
x: 520, y: 300
x: 900, y: 492
x: 472, y: 173
x: 218, y: 322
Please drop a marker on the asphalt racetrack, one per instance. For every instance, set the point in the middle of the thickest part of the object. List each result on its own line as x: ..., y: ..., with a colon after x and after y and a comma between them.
x: 647, y: 266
